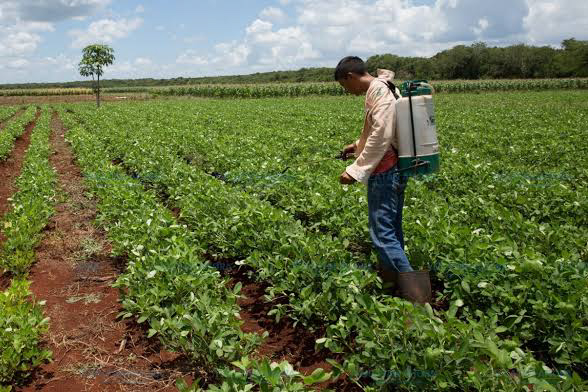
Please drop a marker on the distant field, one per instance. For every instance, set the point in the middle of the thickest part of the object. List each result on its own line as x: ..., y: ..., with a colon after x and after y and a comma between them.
x: 301, y: 89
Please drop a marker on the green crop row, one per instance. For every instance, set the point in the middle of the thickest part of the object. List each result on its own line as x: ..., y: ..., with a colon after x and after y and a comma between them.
x: 318, y: 277
x: 185, y: 302
x: 13, y: 130
x: 333, y: 89
x: 460, y: 86
x: 262, y: 91
x: 7, y: 111
x: 306, y: 89
x: 22, y: 326
x: 21, y: 319
x: 32, y: 204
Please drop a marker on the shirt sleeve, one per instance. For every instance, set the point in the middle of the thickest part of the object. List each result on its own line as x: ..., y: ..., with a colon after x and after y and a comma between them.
x: 383, y: 119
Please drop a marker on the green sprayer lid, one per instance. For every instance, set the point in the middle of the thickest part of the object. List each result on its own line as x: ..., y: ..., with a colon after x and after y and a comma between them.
x: 417, y: 87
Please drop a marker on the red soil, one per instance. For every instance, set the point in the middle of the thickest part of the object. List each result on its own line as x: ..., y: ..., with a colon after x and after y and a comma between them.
x: 17, y: 100
x: 294, y: 344
x: 92, y: 349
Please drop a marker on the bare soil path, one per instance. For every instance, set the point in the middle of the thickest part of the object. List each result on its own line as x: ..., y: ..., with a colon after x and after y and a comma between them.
x: 50, y: 99
x: 92, y: 349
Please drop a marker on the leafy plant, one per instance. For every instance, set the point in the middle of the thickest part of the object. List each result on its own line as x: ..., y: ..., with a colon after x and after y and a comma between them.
x: 21, y: 327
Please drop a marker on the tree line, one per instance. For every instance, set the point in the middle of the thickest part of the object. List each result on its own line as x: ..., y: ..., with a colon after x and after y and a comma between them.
x: 476, y: 61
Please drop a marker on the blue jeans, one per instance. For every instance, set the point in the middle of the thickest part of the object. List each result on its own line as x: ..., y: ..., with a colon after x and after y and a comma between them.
x: 385, y: 202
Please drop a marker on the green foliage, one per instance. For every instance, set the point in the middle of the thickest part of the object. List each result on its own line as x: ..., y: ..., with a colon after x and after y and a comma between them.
x: 13, y: 130
x: 574, y: 59
x: 167, y: 285
x: 21, y: 320
x: 21, y: 326
x: 305, y: 235
x: 95, y: 58
x: 7, y: 111
x: 334, y: 89
x: 32, y: 204
x: 478, y: 61
x: 263, y: 376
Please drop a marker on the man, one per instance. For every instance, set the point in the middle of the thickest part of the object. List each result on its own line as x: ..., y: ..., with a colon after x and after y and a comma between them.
x: 375, y: 166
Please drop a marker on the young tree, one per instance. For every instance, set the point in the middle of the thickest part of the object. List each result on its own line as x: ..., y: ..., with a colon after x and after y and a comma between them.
x: 95, y: 58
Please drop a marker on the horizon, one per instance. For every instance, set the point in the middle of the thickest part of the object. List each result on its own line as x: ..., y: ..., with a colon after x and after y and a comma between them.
x: 42, y: 40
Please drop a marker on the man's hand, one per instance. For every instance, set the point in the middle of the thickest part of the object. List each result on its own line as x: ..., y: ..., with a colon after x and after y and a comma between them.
x: 348, y: 150
x: 346, y: 179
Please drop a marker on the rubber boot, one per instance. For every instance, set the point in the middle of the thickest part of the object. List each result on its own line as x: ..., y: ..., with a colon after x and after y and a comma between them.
x: 415, y: 286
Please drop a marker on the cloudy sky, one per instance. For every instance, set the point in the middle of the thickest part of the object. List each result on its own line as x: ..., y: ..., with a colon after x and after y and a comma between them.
x: 41, y: 40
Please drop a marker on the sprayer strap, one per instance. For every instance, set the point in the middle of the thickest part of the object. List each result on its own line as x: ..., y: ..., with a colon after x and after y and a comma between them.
x: 392, y: 88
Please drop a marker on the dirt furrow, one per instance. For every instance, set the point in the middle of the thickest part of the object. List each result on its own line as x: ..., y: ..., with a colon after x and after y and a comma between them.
x: 92, y: 349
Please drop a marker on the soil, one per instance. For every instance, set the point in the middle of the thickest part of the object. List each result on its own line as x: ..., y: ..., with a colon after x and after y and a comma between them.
x: 17, y: 100
x: 294, y: 344
x: 92, y: 349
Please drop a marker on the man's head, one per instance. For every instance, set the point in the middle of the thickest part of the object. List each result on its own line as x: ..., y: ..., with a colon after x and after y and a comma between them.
x: 351, y: 73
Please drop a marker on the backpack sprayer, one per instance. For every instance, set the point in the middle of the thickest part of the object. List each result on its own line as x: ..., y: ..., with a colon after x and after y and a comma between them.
x: 418, y: 148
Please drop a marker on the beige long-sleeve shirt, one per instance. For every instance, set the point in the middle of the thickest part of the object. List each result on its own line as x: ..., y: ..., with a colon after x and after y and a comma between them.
x: 379, y: 127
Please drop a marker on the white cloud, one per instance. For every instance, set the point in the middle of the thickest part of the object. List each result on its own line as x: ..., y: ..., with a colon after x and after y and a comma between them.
x: 49, y: 10
x: 273, y: 14
x: 18, y: 43
x: 21, y: 38
x: 143, y: 61
x: 326, y: 30
x: 289, y: 35
x: 104, y: 31
x: 550, y: 22
x: 481, y: 27
x: 18, y: 63
x: 61, y: 61
x: 226, y: 56
x: 22, y: 23
x: 191, y: 57
x: 140, y: 67
x: 231, y: 54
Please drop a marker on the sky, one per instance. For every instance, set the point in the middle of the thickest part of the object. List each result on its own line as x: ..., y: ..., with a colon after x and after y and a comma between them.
x: 42, y: 40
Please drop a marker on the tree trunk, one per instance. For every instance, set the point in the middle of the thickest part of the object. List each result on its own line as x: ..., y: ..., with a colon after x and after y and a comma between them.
x: 98, y: 92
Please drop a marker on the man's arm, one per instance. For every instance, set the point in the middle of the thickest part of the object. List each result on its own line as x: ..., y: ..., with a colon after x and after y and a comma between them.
x: 383, y: 115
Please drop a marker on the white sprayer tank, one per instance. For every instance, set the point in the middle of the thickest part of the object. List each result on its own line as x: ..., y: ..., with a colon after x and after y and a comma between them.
x: 426, y: 156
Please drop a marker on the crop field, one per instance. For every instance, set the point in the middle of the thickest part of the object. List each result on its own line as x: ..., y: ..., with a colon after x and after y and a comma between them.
x: 228, y: 243
x: 265, y: 90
